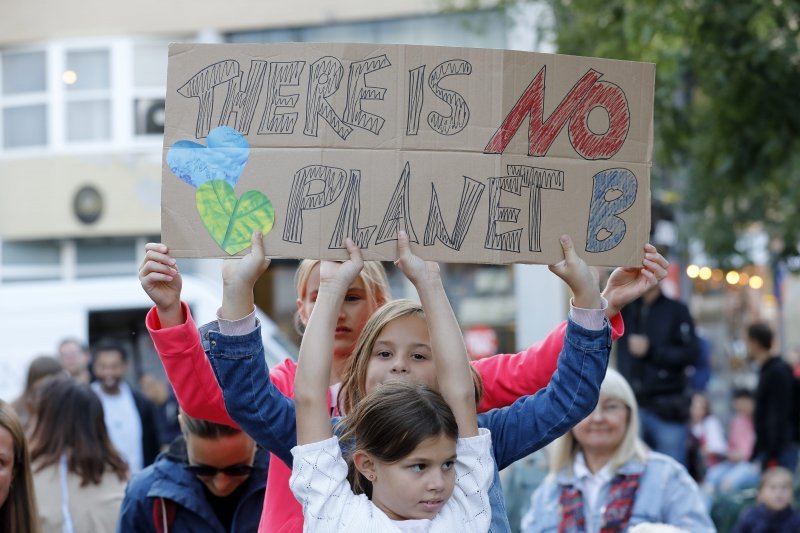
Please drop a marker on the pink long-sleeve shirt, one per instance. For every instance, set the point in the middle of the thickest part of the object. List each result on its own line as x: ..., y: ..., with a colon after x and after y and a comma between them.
x: 505, y: 377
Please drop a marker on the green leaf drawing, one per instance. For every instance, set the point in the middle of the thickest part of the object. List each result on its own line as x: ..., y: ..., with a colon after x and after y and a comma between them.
x: 229, y: 220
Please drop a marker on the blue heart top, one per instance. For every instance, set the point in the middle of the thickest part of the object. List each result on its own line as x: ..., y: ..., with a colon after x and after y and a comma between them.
x: 223, y: 159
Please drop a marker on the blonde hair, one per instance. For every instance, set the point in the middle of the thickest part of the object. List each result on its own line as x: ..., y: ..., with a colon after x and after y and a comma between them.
x: 614, y: 386
x: 376, y: 284
x: 354, y: 386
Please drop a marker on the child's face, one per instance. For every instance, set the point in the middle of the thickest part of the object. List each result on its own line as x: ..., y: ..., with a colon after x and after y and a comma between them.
x: 699, y: 408
x: 354, y: 313
x: 402, y: 351
x: 418, y: 485
x: 776, y: 493
x: 743, y: 406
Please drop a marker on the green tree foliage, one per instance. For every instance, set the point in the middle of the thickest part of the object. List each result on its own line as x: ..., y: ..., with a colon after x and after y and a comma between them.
x: 727, y: 105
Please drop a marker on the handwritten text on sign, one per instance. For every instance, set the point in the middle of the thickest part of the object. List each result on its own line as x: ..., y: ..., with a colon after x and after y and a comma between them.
x: 480, y: 155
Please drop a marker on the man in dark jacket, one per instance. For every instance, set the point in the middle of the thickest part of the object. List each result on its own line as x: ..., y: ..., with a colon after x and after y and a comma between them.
x: 774, y: 416
x: 653, y: 355
x: 131, y: 419
x: 211, y: 479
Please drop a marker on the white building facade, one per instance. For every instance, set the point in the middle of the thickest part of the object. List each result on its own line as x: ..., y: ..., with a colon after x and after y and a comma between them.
x: 82, y: 89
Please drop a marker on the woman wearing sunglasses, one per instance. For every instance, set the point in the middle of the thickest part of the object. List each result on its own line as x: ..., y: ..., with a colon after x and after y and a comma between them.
x: 212, y: 478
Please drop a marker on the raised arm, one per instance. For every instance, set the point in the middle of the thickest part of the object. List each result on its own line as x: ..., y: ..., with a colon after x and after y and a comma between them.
x: 575, y: 273
x: 162, y: 282
x: 628, y: 284
x: 447, y: 344
x: 507, y: 377
x: 534, y: 421
x: 177, y: 340
x: 316, y: 349
x: 239, y: 277
x: 254, y: 402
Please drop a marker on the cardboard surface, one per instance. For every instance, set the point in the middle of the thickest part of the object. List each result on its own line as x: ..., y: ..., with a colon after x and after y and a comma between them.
x: 483, y: 156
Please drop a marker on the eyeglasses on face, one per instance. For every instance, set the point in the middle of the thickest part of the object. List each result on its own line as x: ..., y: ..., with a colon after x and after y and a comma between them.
x: 611, y: 407
x: 238, y: 470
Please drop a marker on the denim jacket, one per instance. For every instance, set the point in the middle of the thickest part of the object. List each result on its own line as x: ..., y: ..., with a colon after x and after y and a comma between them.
x: 666, y: 495
x: 527, y: 425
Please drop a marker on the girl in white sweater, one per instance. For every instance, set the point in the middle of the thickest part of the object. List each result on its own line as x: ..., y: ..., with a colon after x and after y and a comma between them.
x: 419, y: 462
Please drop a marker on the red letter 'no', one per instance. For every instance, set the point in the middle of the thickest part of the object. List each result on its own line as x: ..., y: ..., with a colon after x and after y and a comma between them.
x: 584, y: 96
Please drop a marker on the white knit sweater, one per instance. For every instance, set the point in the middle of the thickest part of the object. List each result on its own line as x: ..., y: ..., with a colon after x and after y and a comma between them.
x: 319, y: 482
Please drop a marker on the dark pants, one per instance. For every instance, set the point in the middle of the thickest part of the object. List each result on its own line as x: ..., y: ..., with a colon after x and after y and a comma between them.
x: 787, y: 458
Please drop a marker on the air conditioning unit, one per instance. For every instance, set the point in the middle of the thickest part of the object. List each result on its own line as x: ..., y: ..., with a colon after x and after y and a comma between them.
x: 149, y: 116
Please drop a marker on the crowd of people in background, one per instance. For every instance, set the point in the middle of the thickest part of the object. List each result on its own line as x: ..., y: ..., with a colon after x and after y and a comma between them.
x: 83, y: 449
x: 74, y: 437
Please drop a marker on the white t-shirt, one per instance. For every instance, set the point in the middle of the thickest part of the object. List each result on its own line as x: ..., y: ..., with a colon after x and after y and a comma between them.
x: 123, y: 424
x: 319, y: 482
x: 590, y: 486
x: 710, y: 431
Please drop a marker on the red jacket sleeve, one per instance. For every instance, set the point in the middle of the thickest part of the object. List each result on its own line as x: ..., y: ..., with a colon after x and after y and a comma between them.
x: 507, y: 377
x: 188, y: 369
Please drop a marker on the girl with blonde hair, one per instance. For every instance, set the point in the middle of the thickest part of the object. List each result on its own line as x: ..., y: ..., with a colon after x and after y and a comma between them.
x: 417, y: 454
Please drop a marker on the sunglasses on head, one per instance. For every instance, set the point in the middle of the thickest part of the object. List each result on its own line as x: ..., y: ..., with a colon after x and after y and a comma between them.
x: 211, y: 471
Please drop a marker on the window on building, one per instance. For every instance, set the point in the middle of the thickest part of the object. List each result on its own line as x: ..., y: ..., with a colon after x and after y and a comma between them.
x: 149, y: 81
x: 105, y: 257
x: 66, y: 94
x: 30, y: 260
x: 481, y: 29
x: 23, y: 99
x: 87, y: 78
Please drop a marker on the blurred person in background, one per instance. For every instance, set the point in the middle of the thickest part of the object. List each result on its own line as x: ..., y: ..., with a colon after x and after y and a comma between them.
x: 700, y: 372
x: 74, y: 357
x: 161, y: 394
x: 131, y: 419
x: 211, y: 479
x: 773, y: 512
x: 17, y: 499
x: 604, y: 478
x: 79, y: 477
x: 774, y: 418
x: 654, y: 354
x: 707, y: 446
x: 736, y: 472
x: 40, y: 368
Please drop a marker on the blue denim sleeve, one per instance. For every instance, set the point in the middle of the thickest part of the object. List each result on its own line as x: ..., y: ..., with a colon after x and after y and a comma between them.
x: 681, y: 506
x: 532, y: 422
x: 251, y: 399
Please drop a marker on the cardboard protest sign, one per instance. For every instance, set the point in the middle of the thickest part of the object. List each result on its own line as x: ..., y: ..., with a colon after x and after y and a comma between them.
x: 482, y: 156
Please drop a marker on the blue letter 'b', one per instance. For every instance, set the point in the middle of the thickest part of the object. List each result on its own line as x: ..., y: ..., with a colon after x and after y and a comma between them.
x: 605, y: 228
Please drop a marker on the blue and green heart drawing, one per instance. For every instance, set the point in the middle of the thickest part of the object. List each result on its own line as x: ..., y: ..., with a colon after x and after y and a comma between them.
x: 214, y: 170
